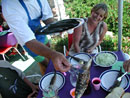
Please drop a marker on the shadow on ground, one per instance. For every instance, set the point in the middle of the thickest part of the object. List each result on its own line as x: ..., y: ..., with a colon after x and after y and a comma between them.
x: 28, y: 66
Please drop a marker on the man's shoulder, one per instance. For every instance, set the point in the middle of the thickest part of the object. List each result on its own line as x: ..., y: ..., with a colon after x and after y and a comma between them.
x: 10, y: 5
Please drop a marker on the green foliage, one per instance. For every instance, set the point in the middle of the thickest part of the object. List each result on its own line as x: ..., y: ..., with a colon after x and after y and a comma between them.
x: 107, y: 44
x: 82, y: 8
x: 126, y: 19
x: 126, y: 44
x: 58, y: 43
x: 111, y: 44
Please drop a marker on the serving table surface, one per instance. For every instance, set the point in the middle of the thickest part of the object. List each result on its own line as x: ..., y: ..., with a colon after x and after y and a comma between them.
x: 95, y: 71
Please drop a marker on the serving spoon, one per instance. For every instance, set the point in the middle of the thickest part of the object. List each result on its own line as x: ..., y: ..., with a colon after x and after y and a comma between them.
x: 120, y: 78
x: 53, y: 79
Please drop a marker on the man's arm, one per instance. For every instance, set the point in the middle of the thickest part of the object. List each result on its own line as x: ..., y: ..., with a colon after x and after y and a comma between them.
x: 59, y: 61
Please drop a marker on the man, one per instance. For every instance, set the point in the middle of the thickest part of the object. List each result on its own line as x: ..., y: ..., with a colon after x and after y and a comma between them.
x: 126, y: 65
x: 14, y: 84
x: 23, y: 18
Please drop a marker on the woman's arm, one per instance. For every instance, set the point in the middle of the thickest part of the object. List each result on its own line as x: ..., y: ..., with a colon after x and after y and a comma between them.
x: 76, y: 38
x: 103, y: 33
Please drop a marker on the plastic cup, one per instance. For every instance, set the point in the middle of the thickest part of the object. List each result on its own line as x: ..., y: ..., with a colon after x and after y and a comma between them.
x: 96, y: 83
x: 72, y: 92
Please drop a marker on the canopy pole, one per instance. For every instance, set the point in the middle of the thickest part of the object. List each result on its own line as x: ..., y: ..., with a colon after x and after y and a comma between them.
x: 120, y: 18
x: 120, y: 25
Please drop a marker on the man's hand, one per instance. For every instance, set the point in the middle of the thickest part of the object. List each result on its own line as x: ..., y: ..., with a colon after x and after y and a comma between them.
x: 60, y: 62
x: 126, y: 65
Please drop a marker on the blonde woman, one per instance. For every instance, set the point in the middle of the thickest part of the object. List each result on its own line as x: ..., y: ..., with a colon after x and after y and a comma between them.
x: 88, y: 36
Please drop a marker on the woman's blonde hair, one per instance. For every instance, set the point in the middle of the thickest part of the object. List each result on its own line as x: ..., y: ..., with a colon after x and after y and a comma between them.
x: 101, y: 6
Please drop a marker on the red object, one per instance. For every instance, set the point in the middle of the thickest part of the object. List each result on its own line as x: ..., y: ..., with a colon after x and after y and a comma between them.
x: 70, y: 40
x: 7, y: 42
x: 4, y: 50
x: 96, y: 83
x: 14, y: 53
x: 1, y: 28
